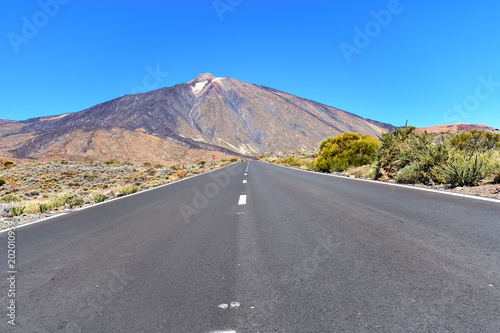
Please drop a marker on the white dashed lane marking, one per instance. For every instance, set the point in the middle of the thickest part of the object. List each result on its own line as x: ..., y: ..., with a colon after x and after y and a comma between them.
x: 244, y: 181
x: 243, y: 200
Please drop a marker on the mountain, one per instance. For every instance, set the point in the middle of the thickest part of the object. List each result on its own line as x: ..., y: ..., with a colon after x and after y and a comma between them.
x: 186, y: 122
x: 454, y: 128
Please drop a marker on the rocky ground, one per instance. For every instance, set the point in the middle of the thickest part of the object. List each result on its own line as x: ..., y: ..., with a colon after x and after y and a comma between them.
x: 36, y: 190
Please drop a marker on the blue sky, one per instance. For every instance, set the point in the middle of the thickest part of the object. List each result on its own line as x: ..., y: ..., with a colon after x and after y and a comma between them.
x: 424, y: 61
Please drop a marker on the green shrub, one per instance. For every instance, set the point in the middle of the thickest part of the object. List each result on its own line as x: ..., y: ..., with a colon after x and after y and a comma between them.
x: 7, y: 163
x: 464, y: 170
x: 10, y: 198
x: 147, y: 164
x: 18, y: 210
x: 99, y: 198
x: 419, y: 158
x: 410, y: 174
x: 387, y: 157
x: 475, y: 141
x: 345, y: 150
x: 2, y: 181
x: 202, y: 163
x: 111, y: 162
x: 233, y: 160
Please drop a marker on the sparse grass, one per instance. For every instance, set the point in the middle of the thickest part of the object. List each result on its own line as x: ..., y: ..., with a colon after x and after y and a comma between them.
x: 17, y: 210
x: 43, y: 208
x: 364, y: 171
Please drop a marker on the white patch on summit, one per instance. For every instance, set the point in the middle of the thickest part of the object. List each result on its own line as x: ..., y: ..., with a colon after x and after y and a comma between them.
x: 199, y: 87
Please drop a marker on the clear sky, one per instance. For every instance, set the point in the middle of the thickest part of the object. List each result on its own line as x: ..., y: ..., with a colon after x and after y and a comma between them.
x: 428, y: 62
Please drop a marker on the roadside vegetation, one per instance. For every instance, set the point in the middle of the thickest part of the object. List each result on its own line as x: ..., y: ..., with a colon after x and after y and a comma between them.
x: 34, y: 188
x: 446, y: 159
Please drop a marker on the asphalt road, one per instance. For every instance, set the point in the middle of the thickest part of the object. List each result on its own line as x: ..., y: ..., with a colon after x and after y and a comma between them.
x: 301, y: 252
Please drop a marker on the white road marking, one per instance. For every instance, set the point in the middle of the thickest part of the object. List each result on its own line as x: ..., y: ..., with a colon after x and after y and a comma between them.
x: 34, y: 222
x: 245, y: 174
x: 223, y: 332
x: 244, y: 181
x: 234, y: 305
x: 243, y: 200
x: 223, y: 306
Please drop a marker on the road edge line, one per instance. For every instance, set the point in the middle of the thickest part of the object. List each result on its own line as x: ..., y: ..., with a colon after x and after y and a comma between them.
x: 111, y: 200
x: 469, y: 196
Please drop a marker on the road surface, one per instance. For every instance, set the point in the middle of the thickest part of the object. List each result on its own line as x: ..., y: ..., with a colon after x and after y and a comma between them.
x: 268, y: 249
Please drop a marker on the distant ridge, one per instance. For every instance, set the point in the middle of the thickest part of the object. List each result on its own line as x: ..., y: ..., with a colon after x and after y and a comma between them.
x: 455, y: 128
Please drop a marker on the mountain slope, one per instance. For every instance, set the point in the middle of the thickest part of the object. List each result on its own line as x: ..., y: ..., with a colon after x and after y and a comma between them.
x: 205, y: 114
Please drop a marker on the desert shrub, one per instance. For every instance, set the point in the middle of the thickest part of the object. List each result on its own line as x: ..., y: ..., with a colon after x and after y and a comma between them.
x: 175, y: 167
x: 159, y: 166
x: 58, y: 201
x: 130, y: 189
x: 59, y: 160
x: 99, y: 198
x: 180, y: 174
x: 292, y: 161
x: 74, y: 200
x: 202, y: 163
x: 10, y: 198
x: 345, y: 150
x: 464, y: 169
x: 111, y: 162
x: 89, y: 176
x: 387, y: 158
x: 7, y: 163
x: 233, y: 160
x: 419, y: 158
x: 17, y: 210
x: 2, y: 181
x: 147, y: 164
